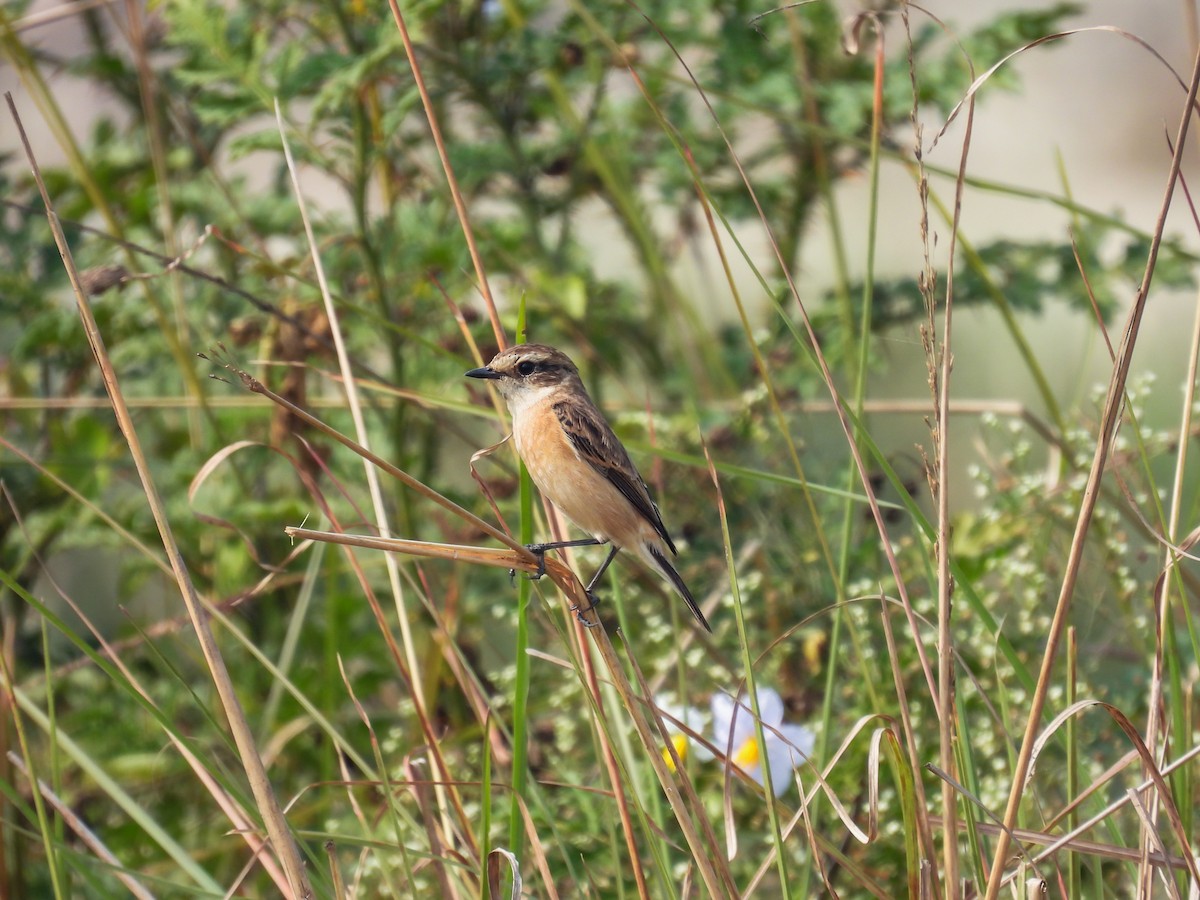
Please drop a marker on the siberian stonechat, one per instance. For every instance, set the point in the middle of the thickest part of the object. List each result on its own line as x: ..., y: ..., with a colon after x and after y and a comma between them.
x: 578, y: 463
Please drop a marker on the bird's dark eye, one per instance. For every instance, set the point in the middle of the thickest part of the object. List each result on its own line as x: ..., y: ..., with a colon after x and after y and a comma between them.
x: 525, y: 368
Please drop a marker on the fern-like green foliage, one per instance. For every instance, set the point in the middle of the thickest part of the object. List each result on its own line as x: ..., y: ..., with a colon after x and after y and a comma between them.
x: 577, y: 181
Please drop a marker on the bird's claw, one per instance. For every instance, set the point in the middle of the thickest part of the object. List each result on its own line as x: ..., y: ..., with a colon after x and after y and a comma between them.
x: 593, y: 602
x: 539, y: 551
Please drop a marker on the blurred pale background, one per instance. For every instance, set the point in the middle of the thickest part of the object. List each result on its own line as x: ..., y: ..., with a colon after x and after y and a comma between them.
x: 1096, y: 101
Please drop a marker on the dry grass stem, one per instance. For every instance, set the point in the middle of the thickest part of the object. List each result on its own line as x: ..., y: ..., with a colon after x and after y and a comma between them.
x: 1112, y: 408
x: 280, y: 835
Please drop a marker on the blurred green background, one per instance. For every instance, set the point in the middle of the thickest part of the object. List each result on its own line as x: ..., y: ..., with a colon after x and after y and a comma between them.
x: 156, y: 135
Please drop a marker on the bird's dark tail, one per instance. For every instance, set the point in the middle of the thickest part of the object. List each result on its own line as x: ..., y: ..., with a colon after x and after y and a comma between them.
x: 668, y: 570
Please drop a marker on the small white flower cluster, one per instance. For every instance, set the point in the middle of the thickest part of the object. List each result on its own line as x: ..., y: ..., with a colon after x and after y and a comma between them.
x: 785, y: 745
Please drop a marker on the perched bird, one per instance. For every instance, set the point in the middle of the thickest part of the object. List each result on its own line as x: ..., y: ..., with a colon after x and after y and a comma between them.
x: 578, y: 463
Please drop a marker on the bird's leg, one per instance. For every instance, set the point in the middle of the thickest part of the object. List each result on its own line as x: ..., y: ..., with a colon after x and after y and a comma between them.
x: 592, y: 600
x: 539, y: 550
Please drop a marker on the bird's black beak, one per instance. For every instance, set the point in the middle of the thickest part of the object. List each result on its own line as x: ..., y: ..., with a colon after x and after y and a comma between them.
x: 485, y: 372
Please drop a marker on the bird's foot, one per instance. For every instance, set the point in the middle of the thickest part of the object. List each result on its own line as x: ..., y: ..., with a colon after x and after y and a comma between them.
x: 593, y: 602
x: 539, y: 551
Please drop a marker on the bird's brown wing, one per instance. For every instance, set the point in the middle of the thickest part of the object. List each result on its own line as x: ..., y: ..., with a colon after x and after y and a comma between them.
x: 595, y: 442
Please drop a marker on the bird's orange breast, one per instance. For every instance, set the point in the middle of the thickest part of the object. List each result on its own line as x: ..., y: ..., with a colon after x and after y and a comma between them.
x: 583, y: 495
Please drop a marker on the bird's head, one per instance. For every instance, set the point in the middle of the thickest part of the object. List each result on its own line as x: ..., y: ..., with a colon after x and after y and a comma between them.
x: 528, y: 371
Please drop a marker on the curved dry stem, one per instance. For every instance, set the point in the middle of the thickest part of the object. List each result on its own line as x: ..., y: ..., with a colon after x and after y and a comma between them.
x: 250, y: 383
x: 460, y: 206
x: 979, y: 82
x: 574, y: 596
x: 1148, y: 761
x: 284, y: 845
x: 1112, y: 413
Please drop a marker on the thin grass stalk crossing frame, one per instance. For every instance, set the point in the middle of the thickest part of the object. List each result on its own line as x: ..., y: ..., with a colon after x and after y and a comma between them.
x: 516, y: 557
x: 843, y: 417
x: 460, y: 206
x: 704, y: 855
x: 1112, y: 408
x: 282, y: 841
x: 374, y: 486
x: 785, y: 881
x: 940, y: 363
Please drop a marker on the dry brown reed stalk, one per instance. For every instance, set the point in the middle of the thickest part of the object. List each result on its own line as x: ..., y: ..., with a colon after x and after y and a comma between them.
x: 150, y: 102
x: 295, y: 882
x: 1113, y: 405
x: 591, y: 680
x: 939, y: 362
x: 576, y: 599
x: 238, y: 817
x: 336, y: 880
x: 1174, y: 547
x: 611, y: 765
x: 83, y: 833
x: 1172, y: 556
x: 514, y: 557
x: 448, y: 799
x: 886, y: 544
x: 689, y: 792
x: 460, y: 206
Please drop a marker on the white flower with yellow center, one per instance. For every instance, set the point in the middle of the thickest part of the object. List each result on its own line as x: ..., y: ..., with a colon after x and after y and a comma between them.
x: 693, y: 721
x: 787, y: 745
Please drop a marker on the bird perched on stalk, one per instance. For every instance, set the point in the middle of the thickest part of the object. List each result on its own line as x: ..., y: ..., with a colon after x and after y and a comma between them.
x: 578, y: 463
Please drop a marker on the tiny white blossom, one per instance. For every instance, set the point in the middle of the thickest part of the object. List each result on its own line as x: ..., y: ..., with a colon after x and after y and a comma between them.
x: 787, y: 745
